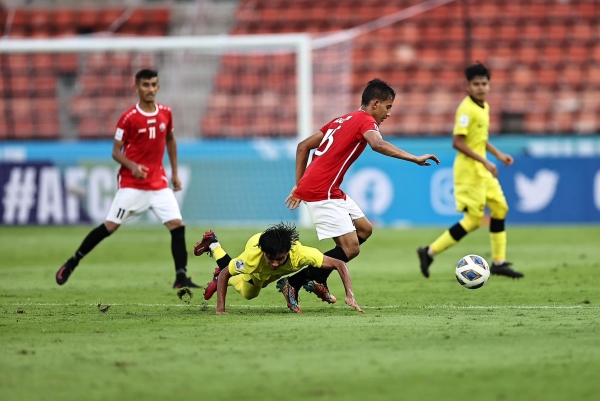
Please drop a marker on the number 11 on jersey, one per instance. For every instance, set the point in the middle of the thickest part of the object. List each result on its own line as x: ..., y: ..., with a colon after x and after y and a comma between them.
x: 152, y: 131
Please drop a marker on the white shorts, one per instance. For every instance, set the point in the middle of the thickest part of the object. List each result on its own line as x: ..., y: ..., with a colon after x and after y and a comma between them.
x: 130, y: 202
x: 334, y: 217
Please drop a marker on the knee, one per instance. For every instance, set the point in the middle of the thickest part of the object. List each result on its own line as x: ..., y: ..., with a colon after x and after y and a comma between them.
x: 249, y: 296
x: 365, y: 232
x: 352, y: 251
x: 499, y: 212
x: 111, y: 227
x: 173, y: 224
x: 471, y: 222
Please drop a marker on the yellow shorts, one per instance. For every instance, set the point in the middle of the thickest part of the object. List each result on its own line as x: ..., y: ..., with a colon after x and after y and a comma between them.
x: 474, y: 198
x: 247, y: 288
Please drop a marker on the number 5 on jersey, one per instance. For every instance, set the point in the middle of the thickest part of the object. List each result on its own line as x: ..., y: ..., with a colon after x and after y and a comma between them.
x: 329, y: 138
x: 152, y: 131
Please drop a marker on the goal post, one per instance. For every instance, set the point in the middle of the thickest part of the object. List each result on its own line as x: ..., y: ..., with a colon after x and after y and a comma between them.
x: 300, y: 44
x: 85, y: 96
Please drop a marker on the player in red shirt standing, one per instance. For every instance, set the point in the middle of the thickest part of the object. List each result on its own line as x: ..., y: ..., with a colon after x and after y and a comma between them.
x: 335, y: 215
x: 139, y: 146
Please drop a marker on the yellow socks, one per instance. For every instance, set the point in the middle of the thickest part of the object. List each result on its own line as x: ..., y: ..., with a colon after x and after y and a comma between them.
x: 498, y: 241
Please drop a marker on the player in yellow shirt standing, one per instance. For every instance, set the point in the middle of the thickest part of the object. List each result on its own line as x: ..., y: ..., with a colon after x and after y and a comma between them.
x: 475, y: 177
x: 268, y: 256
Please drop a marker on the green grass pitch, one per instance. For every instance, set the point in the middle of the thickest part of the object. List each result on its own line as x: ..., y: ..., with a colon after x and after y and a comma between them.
x: 533, y: 339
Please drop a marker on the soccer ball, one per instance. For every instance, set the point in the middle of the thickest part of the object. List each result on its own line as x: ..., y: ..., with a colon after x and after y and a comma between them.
x: 472, y: 272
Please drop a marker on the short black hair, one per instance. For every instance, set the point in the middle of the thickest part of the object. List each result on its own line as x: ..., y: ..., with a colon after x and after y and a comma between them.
x: 145, y: 74
x: 278, y: 239
x: 477, y: 70
x: 377, y: 89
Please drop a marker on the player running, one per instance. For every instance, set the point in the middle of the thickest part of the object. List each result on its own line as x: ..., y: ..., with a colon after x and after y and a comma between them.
x: 335, y: 215
x: 139, y: 146
x: 269, y: 255
x: 475, y: 177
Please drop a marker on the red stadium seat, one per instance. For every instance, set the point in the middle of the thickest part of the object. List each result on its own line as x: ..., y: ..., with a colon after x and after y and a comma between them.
x: 587, y: 123
x: 20, y: 86
x: 24, y: 129
x: 20, y: 19
x: 557, y: 32
x: 44, y: 86
x: 63, y: 19
x: 536, y: 123
x: 42, y: 63
x: 581, y: 31
x: 108, y: 16
x: 38, y: 17
x: 87, y: 20
x: 18, y: 64
x: 66, y: 63
x: 98, y: 62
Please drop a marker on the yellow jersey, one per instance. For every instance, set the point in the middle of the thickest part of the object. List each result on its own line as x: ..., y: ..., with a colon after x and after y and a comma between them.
x: 254, y: 267
x: 472, y: 121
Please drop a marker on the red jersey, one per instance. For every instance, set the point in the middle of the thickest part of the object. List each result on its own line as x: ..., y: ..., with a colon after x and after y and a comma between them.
x: 342, y: 144
x: 144, y: 136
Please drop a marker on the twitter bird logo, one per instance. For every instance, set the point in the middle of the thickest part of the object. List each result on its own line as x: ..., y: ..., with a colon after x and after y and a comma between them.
x: 535, y: 194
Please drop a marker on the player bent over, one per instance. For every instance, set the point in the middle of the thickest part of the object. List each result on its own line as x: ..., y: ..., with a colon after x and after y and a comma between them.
x: 475, y: 178
x: 268, y: 256
x: 142, y: 133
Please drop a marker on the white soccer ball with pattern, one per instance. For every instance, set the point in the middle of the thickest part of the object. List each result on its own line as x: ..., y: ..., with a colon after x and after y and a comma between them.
x: 472, y: 272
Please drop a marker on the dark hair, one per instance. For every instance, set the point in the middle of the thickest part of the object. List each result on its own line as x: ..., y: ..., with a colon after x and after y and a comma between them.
x: 278, y: 239
x: 145, y: 74
x: 377, y: 89
x: 477, y: 70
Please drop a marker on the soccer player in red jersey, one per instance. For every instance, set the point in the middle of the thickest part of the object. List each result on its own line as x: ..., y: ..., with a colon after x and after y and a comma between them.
x: 142, y: 134
x: 335, y: 215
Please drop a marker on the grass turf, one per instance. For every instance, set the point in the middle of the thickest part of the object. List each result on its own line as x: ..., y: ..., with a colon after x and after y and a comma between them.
x: 533, y: 339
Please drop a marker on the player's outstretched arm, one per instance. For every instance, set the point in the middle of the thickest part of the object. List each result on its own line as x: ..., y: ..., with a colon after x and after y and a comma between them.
x: 138, y: 170
x: 222, y: 291
x: 380, y: 145
x: 172, y: 152
x: 458, y: 143
x: 504, y: 158
x: 330, y: 264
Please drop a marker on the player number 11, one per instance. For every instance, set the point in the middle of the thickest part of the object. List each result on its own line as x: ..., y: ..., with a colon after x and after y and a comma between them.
x: 152, y: 131
x: 329, y: 138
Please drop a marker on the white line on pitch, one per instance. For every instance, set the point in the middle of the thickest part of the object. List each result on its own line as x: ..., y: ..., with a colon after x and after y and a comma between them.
x: 317, y: 307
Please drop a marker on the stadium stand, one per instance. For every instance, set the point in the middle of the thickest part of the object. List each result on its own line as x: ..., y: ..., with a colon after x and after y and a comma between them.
x: 544, y: 56
x: 101, y: 82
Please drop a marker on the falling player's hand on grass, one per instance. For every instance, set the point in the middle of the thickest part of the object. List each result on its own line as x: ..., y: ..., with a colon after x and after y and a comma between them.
x: 422, y: 160
x: 140, y: 171
x: 176, y: 183
x: 291, y: 201
x: 350, y: 301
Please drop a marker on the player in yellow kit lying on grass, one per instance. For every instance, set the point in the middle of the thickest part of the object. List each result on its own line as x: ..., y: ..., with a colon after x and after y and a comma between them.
x: 268, y: 256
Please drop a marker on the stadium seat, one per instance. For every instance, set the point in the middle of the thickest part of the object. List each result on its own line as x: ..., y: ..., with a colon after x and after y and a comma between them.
x: 63, y: 19
x: 42, y: 63
x: 66, y: 63
x: 108, y: 16
x: 44, y: 86
x: 87, y: 20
